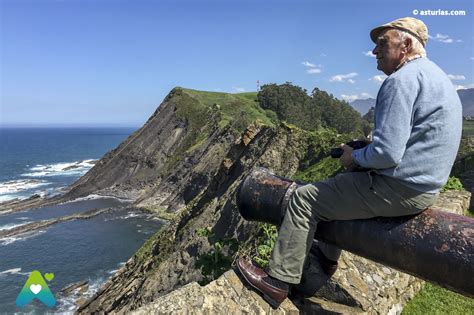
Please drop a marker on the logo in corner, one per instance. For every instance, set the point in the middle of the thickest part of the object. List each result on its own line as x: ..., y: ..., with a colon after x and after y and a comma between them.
x: 36, y: 288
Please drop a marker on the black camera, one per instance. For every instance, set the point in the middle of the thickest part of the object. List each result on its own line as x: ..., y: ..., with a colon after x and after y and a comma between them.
x: 355, y: 144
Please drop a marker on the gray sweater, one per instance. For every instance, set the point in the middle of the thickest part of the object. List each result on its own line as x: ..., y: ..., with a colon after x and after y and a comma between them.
x: 418, y: 125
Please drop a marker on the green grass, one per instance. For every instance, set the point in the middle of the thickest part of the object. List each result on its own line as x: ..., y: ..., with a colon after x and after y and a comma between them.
x: 433, y: 299
x: 239, y: 110
x: 468, y: 127
x: 145, y: 251
x: 203, y: 110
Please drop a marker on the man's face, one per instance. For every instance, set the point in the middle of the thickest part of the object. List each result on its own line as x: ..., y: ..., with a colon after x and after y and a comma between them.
x: 388, y: 51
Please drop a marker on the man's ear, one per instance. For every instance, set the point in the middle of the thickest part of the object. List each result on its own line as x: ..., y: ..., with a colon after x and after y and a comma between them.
x: 407, y: 45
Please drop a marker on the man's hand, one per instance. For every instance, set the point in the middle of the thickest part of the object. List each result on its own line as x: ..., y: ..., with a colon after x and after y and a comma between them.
x: 346, y: 157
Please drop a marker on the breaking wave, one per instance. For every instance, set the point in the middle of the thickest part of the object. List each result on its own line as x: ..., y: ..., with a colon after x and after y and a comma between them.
x: 9, y: 240
x: 60, y: 169
x: 13, y: 225
x: 19, y: 185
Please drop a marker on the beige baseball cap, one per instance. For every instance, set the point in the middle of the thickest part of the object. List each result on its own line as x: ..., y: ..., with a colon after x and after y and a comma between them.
x: 413, y: 26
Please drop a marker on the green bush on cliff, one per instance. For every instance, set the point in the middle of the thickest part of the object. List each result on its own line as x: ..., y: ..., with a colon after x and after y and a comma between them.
x: 292, y: 103
x: 327, y: 167
x: 265, y: 242
x: 219, y: 259
x: 453, y: 184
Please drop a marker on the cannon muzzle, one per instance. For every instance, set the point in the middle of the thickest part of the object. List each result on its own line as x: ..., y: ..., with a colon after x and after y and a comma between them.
x: 263, y: 196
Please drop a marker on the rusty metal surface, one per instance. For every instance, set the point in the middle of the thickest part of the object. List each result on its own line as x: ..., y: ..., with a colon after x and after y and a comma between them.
x: 260, y: 196
x: 434, y: 245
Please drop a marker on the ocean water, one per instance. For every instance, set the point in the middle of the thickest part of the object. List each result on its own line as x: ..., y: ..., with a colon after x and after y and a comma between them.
x: 44, y: 161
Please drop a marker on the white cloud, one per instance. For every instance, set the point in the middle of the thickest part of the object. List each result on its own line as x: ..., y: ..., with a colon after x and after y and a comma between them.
x: 443, y: 39
x: 365, y: 95
x: 447, y: 41
x: 313, y: 70
x: 308, y: 64
x: 343, y: 77
x: 462, y: 87
x: 351, y: 98
x: 323, y: 55
x: 456, y: 77
x: 238, y: 89
x: 369, y: 53
x: 351, y: 81
x: 312, y: 67
x: 378, y: 78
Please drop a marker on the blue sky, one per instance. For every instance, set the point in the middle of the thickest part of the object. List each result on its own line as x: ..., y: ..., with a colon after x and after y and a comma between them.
x: 111, y: 63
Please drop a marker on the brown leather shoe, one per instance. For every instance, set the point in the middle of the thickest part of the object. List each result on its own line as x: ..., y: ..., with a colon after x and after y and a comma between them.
x: 328, y: 266
x: 255, y: 277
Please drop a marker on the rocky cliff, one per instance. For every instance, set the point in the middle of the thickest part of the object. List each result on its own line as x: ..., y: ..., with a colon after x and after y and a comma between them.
x: 178, y: 254
x: 186, y: 164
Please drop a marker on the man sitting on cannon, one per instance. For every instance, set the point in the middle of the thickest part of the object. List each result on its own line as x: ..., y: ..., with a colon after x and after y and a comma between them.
x: 417, y: 132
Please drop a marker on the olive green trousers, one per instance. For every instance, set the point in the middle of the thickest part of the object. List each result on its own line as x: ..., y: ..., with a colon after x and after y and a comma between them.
x: 347, y: 196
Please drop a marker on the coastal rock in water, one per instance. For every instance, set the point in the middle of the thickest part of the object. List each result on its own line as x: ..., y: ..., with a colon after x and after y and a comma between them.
x: 80, y: 287
x: 76, y: 291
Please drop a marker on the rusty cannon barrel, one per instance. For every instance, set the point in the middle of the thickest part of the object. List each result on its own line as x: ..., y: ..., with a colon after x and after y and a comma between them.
x: 434, y: 245
x: 263, y: 196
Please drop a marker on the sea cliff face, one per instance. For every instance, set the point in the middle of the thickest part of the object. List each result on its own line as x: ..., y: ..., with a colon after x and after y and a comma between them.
x: 177, y: 255
x: 191, y: 179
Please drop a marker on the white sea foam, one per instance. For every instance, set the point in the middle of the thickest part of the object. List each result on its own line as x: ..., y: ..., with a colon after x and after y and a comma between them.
x: 67, y: 304
x: 95, y: 196
x: 127, y: 216
x: 19, y: 185
x: 60, y: 169
x: 11, y: 271
x: 14, y: 271
x: 8, y: 240
x: 21, y: 237
x: 119, y: 265
x: 132, y: 215
x: 5, y: 198
x: 12, y: 225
